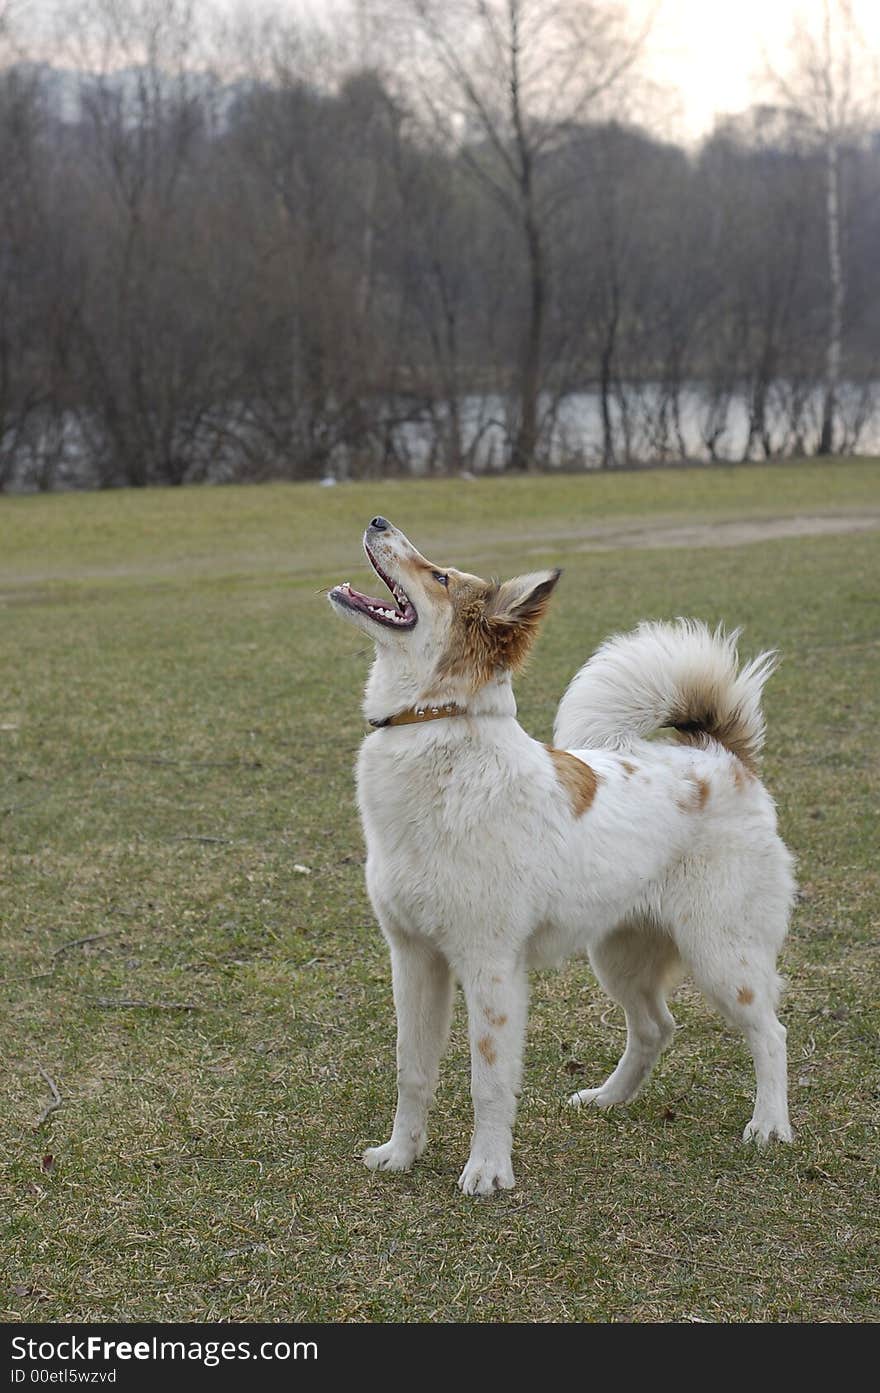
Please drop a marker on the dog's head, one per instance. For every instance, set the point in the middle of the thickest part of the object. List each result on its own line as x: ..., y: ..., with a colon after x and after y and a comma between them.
x: 448, y: 631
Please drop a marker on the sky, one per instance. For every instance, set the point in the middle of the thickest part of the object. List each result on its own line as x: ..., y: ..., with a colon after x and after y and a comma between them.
x: 709, y: 54
x: 713, y: 51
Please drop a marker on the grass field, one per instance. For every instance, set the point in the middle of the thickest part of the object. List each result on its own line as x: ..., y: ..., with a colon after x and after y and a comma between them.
x: 179, y: 715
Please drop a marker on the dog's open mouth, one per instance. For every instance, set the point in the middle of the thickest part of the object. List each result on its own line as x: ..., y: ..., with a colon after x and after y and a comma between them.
x: 403, y: 616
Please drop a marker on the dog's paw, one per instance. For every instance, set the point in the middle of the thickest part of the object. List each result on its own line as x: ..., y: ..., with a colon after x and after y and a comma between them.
x: 390, y: 1157
x: 761, y: 1131
x: 599, y: 1097
x: 485, y: 1175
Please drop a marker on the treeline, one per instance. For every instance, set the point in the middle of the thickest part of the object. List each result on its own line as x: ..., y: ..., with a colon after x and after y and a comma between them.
x: 205, y: 279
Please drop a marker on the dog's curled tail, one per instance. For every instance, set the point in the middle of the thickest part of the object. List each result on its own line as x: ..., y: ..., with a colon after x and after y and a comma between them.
x: 679, y: 675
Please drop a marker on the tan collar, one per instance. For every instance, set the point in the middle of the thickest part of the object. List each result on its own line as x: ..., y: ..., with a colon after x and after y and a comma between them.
x: 415, y: 715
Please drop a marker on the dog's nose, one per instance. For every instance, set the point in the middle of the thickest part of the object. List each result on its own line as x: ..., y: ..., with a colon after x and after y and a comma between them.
x: 379, y: 524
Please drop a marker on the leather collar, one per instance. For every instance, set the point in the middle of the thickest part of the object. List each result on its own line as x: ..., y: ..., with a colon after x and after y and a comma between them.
x: 417, y: 715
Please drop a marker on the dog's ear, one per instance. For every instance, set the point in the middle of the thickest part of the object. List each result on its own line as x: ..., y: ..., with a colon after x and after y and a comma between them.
x: 513, y: 612
x: 524, y: 599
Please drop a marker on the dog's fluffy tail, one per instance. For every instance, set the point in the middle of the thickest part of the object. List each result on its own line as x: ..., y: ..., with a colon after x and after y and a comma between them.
x: 680, y: 675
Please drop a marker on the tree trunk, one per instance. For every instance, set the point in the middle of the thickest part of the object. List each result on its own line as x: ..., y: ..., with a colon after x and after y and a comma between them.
x: 526, y: 441
x: 606, y: 363
x: 836, y: 293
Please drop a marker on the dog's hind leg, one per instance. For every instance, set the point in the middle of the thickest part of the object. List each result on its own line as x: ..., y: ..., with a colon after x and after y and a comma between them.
x: 740, y: 980
x: 423, y: 999
x: 638, y: 966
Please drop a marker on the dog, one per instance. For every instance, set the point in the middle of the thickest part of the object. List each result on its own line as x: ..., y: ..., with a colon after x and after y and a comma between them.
x: 490, y: 853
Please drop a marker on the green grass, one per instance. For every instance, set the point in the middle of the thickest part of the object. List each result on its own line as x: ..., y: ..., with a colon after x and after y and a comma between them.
x: 180, y: 716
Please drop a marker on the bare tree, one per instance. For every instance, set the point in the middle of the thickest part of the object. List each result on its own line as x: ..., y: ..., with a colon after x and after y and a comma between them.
x: 20, y: 393
x: 7, y: 19
x: 833, y: 87
x: 39, y: 284
x: 503, y: 79
x: 142, y: 108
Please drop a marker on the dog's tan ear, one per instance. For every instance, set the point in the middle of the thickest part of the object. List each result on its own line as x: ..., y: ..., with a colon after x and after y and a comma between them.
x: 524, y: 599
x: 513, y: 612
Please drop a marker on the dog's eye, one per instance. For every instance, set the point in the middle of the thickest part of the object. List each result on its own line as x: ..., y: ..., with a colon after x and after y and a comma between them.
x: 438, y: 575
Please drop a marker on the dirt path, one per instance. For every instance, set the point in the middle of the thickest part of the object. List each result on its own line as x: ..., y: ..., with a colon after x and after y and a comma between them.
x: 736, y: 533
x: 616, y: 534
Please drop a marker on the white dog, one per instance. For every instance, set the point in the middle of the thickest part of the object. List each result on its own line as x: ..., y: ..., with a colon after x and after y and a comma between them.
x: 490, y: 853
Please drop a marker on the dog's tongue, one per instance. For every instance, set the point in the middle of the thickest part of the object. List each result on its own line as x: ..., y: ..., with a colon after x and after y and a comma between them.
x: 380, y: 610
x: 367, y: 599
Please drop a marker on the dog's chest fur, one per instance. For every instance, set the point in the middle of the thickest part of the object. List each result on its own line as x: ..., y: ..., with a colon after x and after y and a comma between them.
x: 448, y: 819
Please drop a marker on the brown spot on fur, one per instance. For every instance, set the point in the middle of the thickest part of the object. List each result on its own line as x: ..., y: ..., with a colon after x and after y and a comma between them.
x: 493, y: 626
x: 470, y: 650
x: 493, y: 1018
x: 694, y: 801
x: 745, y: 996
x: 628, y: 768
x: 578, y: 779
x: 486, y: 1046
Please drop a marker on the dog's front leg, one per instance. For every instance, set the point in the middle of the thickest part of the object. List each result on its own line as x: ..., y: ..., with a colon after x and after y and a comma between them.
x: 423, y: 1000
x: 497, y: 1003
